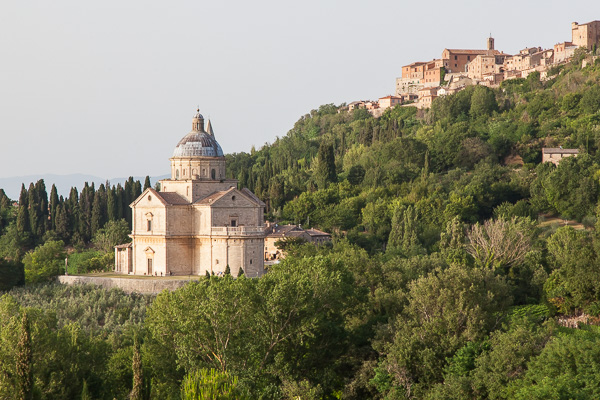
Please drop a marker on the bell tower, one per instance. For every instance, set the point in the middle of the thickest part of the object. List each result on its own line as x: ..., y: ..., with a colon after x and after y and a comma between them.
x: 490, y: 43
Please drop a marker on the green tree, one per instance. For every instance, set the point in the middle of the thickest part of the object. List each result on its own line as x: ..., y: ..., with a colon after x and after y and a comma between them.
x: 61, y: 223
x: 452, y: 242
x: 567, y: 368
x: 210, y: 384
x: 45, y: 262
x: 111, y: 205
x: 507, y: 360
x: 24, y: 367
x: 574, y: 282
x: 404, y: 234
x: 590, y: 101
x: 35, y: 217
x: 206, y: 324
x: 54, y: 202
x: 356, y: 174
x: 147, y: 183
x: 112, y: 234
x: 325, y: 172
x: 483, y: 102
x: 85, y: 391
x: 99, y: 213
x: 138, y: 376
x: 445, y: 310
x: 23, y: 223
x: 11, y: 274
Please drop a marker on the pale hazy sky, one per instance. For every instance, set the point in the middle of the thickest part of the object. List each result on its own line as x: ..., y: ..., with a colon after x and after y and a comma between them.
x: 109, y: 87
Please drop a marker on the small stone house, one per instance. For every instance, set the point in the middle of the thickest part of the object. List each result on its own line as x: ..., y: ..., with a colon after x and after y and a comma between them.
x: 276, y: 232
x: 555, y: 154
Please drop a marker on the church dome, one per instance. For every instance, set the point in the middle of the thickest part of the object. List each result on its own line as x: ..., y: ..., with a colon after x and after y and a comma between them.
x: 198, y: 143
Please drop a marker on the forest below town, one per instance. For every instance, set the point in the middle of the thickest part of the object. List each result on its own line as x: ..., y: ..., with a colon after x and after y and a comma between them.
x: 452, y: 274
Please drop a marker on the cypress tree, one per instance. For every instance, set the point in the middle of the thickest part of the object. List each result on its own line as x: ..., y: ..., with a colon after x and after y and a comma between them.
x: 34, y: 217
x: 62, y: 223
x: 227, y: 270
x: 403, y: 235
x: 23, y: 226
x: 53, y: 204
x: 24, y: 369
x: 43, y: 209
x: 325, y: 173
x: 98, y: 211
x: 119, y: 198
x: 73, y: 211
x: 86, y: 200
x: 240, y: 272
x: 128, y: 193
x: 4, y: 200
x: 138, y: 378
x: 111, y: 204
x: 396, y: 234
x: 137, y: 190
x: 85, y: 391
x: 147, y: 183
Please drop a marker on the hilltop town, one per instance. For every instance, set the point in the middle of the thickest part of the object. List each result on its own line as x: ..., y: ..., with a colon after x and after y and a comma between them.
x: 422, y: 82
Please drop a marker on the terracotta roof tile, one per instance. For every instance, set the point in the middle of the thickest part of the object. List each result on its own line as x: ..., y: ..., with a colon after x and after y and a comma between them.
x: 172, y: 198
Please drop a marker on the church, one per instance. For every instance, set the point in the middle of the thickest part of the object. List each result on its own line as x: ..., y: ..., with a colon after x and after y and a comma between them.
x: 199, y: 221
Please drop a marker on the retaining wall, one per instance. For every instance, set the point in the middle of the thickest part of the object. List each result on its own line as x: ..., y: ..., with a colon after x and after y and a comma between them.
x: 128, y: 285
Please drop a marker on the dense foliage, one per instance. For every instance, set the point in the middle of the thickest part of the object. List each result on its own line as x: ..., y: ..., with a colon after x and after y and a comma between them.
x: 444, y: 279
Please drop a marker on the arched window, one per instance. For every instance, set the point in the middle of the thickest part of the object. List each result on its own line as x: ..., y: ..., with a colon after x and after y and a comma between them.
x: 213, y: 174
x: 177, y: 174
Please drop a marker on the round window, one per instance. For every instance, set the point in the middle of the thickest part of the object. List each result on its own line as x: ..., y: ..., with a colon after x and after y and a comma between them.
x: 149, y: 198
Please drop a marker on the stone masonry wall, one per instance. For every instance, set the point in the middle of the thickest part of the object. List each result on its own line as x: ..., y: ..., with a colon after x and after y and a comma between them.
x: 128, y: 285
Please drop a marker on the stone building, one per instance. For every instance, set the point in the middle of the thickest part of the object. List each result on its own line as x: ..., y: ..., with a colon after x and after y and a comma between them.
x: 389, y: 101
x: 585, y: 35
x: 199, y: 221
x: 483, y: 65
x: 276, y: 232
x: 555, y: 154
x: 563, y: 51
x: 456, y: 60
x: 426, y: 97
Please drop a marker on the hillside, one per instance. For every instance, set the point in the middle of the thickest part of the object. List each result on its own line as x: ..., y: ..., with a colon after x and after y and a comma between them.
x: 459, y: 151
x: 451, y: 274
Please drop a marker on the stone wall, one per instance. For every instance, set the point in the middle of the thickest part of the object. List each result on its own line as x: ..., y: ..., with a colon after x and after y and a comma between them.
x: 128, y: 285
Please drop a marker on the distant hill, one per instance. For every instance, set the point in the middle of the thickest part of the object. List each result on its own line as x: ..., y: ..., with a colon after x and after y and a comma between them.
x: 64, y: 183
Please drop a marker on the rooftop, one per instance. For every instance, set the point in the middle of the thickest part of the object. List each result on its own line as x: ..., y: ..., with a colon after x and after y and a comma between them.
x: 558, y: 150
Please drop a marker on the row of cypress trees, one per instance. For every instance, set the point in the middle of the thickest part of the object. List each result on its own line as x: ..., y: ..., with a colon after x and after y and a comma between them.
x: 74, y: 219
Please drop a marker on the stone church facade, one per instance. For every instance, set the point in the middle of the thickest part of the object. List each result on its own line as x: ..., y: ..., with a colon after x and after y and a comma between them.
x: 199, y: 221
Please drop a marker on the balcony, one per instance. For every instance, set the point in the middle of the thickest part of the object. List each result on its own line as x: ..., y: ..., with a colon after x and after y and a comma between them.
x: 238, y: 231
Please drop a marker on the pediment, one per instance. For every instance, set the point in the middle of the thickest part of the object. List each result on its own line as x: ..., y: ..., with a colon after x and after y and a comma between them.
x: 149, y: 197
x: 233, y: 198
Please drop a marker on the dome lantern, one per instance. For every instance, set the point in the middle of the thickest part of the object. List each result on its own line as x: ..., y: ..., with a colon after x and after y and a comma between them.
x: 198, y: 143
x: 198, y: 122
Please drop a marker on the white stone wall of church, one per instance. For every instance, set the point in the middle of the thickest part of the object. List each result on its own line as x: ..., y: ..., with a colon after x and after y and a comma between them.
x: 179, y: 220
x: 180, y: 256
x: 145, y: 247
x: 141, y: 216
